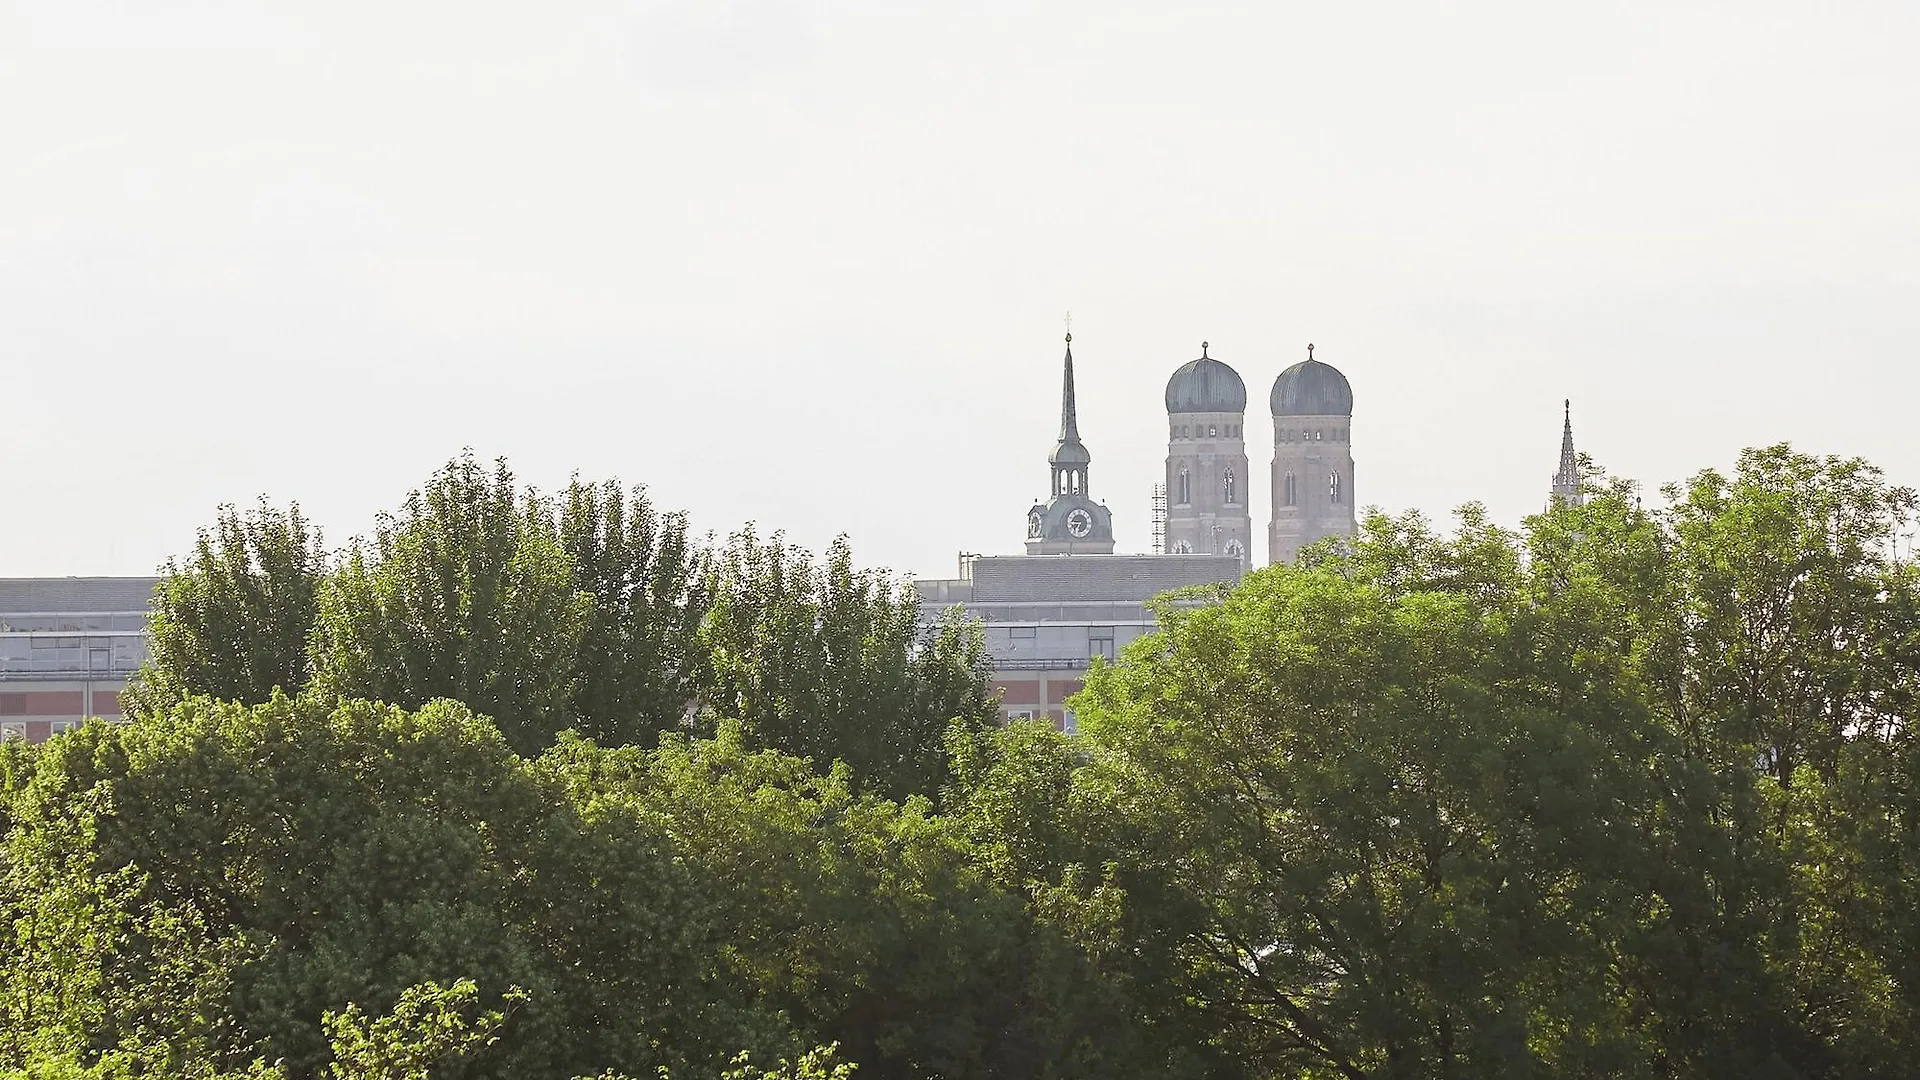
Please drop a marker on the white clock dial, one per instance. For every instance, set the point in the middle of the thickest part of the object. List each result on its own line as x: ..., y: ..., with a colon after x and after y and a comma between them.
x: 1033, y: 523
x: 1079, y: 523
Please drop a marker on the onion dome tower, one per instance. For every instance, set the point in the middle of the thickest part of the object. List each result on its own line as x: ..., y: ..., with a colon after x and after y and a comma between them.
x: 1207, y: 471
x: 1313, y: 489
x: 1069, y: 522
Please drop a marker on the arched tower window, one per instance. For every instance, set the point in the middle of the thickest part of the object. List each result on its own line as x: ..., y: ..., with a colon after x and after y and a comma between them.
x: 1185, y: 488
x: 1227, y: 484
x: 1289, y: 495
x: 1333, y: 486
x: 1183, y: 548
x: 1234, y: 549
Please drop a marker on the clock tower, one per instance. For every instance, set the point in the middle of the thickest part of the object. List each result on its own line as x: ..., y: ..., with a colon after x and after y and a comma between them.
x: 1069, y: 522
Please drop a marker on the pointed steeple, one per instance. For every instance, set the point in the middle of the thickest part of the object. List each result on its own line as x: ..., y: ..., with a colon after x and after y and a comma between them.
x: 1566, y: 482
x: 1069, y: 416
x: 1069, y: 458
x: 1069, y: 522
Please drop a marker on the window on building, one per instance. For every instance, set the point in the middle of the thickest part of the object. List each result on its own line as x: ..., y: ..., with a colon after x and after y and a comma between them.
x: 1333, y: 486
x: 1234, y: 549
x: 1185, y: 488
x: 12, y: 730
x: 1213, y: 431
x: 1019, y: 714
x: 1100, y: 642
x: 1288, y: 493
x: 1182, y: 548
x: 1226, y: 484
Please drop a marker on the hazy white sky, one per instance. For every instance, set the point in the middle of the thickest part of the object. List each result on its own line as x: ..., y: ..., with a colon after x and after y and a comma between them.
x: 806, y: 264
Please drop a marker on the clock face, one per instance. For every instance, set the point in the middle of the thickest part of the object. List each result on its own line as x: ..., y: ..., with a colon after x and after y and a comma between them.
x: 1033, y: 523
x: 1079, y: 523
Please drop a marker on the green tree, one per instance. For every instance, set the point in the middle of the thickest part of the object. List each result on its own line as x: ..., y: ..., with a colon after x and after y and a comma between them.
x: 1762, y: 619
x: 1365, y: 819
x: 594, y: 612
x: 212, y: 881
x: 1403, y: 812
x: 815, y: 1064
x: 638, y: 652
x: 1798, y: 639
x: 467, y: 593
x: 430, y: 1025
x: 233, y: 620
x: 864, y: 920
x: 824, y: 661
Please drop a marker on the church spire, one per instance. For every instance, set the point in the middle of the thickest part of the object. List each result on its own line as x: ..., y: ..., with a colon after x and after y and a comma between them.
x: 1069, y: 459
x: 1566, y: 482
x: 1069, y: 522
x: 1069, y: 415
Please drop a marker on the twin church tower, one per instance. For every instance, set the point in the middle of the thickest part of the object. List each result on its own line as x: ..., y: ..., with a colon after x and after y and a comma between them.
x: 1207, y: 470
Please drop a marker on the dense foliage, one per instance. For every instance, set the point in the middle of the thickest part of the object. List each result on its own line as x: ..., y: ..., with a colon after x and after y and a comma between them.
x: 1629, y: 793
x: 594, y: 613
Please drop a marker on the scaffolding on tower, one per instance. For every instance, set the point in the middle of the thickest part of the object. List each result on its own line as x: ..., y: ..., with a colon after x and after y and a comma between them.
x: 1159, y: 519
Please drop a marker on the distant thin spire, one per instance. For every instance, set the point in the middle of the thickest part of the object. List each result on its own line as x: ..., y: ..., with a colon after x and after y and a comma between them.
x: 1069, y: 416
x: 1566, y: 482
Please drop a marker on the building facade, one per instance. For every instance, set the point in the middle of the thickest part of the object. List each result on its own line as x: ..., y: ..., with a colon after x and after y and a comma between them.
x: 1049, y: 615
x: 1047, y: 618
x: 67, y: 648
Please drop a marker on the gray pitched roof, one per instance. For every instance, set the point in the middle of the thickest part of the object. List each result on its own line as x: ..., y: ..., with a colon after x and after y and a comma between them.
x: 1095, y: 577
x: 52, y: 594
